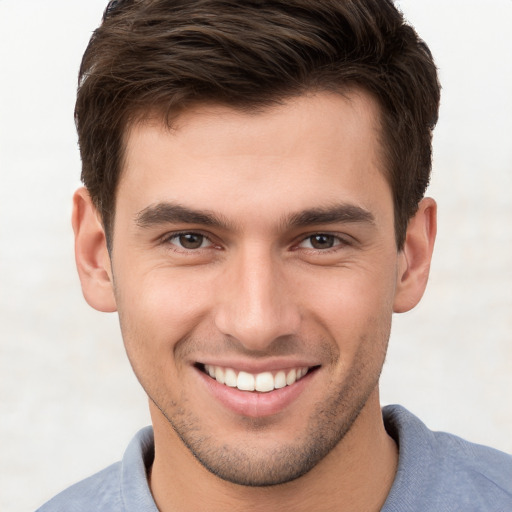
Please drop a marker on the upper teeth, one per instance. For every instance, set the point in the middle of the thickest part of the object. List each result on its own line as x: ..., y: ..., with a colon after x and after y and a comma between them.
x: 264, y: 382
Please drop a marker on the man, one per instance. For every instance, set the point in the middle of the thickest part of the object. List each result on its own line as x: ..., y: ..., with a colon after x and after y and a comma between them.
x: 254, y: 210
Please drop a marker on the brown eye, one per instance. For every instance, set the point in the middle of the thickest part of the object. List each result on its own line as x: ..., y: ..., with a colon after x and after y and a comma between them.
x: 322, y: 241
x: 189, y: 240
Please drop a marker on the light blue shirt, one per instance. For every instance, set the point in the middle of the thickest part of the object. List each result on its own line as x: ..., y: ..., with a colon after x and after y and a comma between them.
x: 437, y: 472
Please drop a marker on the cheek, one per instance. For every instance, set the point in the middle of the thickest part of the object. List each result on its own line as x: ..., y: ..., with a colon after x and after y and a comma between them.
x: 353, y: 308
x: 349, y: 297
x: 156, y: 311
x: 161, y: 299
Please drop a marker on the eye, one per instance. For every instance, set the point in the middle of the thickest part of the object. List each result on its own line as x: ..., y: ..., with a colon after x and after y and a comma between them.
x: 189, y: 241
x: 320, y: 241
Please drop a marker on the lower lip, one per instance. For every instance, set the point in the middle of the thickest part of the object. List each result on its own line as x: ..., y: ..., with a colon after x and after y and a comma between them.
x: 254, y: 404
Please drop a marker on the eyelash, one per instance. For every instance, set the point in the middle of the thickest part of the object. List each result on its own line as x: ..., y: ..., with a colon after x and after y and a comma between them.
x: 339, y: 242
x: 167, y: 239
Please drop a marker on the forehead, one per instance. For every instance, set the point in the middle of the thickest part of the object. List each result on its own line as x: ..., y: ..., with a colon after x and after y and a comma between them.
x: 314, y: 148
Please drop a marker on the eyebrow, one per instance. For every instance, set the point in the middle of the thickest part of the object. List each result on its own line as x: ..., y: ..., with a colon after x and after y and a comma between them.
x: 171, y: 213
x: 341, y: 213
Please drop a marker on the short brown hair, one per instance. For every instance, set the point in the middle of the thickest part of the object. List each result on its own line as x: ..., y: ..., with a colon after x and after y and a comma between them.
x: 163, y: 55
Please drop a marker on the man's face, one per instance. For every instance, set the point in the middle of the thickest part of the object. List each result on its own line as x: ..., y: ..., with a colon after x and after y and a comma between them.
x: 256, y: 248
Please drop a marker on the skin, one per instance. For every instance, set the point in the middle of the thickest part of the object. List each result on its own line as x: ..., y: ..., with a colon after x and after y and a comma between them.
x: 294, y: 264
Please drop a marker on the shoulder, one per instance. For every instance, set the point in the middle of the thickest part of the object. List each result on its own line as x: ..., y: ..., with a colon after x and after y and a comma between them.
x: 100, y: 492
x: 441, y: 471
x: 122, y: 487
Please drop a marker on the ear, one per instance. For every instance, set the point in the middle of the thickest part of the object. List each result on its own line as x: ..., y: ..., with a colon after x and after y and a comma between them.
x: 415, y: 257
x: 91, y: 254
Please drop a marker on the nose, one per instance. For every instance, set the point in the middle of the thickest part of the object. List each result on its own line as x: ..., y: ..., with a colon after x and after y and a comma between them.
x: 256, y: 305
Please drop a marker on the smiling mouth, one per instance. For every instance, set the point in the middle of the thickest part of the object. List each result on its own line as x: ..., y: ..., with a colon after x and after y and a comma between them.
x: 262, y: 382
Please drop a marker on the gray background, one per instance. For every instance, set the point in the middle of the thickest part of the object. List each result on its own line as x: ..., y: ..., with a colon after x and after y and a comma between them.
x: 68, y: 401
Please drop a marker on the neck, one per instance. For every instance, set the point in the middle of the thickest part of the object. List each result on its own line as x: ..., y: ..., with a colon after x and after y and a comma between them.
x: 355, y: 476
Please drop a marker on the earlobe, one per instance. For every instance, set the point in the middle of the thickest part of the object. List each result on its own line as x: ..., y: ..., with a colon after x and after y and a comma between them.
x: 416, y: 256
x: 91, y: 254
